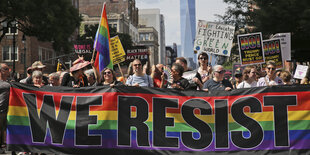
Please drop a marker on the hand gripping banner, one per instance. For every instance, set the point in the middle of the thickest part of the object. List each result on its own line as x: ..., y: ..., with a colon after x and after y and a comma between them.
x: 136, y: 120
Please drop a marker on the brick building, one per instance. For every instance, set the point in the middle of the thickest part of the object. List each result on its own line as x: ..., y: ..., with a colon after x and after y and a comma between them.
x: 27, y: 50
x: 121, y: 14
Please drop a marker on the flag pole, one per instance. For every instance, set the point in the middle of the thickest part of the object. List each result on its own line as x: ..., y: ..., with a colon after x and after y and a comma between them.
x: 98, y: 31
x: 120, y: 69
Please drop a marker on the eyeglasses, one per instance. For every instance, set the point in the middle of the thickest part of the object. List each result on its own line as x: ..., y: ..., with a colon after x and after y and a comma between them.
x: 270, y: 68
x: 203, y: 58
x: 137, y: 65
x: 221, y: 72
x: 104, y: 73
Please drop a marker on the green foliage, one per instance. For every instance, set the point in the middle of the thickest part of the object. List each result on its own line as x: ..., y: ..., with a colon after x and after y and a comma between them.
x: 48, y: 20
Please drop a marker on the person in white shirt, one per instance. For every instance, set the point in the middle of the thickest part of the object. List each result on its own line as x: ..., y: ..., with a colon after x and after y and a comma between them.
x: 139, y: 78
x: 271, y: 78
x: 249, y: 77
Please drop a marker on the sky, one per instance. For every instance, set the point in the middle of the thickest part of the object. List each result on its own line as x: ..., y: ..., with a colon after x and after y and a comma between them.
x: 205, y: 10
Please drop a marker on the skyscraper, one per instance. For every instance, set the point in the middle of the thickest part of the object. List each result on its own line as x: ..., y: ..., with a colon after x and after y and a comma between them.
x: 188, y: 28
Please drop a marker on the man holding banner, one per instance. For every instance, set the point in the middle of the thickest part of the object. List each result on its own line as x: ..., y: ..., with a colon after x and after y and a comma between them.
x: 271, y: 78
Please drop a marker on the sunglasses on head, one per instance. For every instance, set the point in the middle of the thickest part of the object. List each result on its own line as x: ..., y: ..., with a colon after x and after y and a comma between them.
x: 270, y: 68
x: 221, y: 72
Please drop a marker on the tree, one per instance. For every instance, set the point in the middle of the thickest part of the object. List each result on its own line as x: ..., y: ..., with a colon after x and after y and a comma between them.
x: 276, y: 16
x: 47, y: 20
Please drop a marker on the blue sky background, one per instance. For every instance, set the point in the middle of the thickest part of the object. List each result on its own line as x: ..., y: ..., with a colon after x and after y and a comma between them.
x: 205, y: 10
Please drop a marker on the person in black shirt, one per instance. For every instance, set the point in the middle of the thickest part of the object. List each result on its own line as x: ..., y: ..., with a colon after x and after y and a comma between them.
x: 178, y: 81
x: 76, y: 77
x: 39, y: 67
x: 217, y: 82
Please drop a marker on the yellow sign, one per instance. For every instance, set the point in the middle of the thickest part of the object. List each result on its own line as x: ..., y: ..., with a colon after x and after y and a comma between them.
x: 117, y: 50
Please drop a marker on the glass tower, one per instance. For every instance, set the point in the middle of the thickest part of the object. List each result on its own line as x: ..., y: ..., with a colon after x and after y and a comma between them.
x: 188, y: 28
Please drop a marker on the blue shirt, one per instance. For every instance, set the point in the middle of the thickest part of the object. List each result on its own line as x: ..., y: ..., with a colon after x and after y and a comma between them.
x: 143, y: 81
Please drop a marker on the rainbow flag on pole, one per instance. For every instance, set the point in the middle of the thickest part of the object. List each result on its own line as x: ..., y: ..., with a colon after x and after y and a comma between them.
x: 102, y: 43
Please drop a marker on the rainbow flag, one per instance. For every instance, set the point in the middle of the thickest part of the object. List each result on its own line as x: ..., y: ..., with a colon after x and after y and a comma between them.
x: 102, y: 43
x: 131, y: 120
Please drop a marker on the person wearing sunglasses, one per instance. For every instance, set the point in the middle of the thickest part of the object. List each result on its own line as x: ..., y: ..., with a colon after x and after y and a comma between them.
x: 4, y: 101
x: 108, y: 78
x: 249, y: 77
x: 217, y: 82
x: 271, y: 78
x: 139, y: 78
x: 178, y: 82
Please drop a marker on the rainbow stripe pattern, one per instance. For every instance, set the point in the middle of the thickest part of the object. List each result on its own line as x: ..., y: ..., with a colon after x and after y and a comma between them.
x: 107, y: 114
x: 102, y: 43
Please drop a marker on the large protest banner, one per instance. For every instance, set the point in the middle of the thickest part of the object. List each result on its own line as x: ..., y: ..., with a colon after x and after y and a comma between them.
x: 214, y: 38
x: 136, y: 120
x: 251, y: 48
x: 273, y: 52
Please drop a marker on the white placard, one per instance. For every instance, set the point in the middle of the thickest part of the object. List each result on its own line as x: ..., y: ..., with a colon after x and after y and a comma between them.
x: 300, y: 72
x: 214, y: 38
x: 285, y: 44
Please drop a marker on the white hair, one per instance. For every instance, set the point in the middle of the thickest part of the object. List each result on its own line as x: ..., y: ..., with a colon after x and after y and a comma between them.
x: 216, y: 67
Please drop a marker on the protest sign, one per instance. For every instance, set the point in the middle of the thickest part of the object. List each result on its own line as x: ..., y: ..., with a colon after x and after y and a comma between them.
x: 251, y: 49
x: 142, y: 120
x: 273, y: 52
x: 117, y: 50
x: 138, y: 52
x: 300, y: 71
x: 82, y: 48
x: 285, y: 44
x: 214, y: 38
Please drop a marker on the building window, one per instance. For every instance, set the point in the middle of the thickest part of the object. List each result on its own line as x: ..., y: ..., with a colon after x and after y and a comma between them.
x: 141, y: 37
x: 11, y: 30
x: 147, y: 37
x: 7, y: 53
x: 46, y: 55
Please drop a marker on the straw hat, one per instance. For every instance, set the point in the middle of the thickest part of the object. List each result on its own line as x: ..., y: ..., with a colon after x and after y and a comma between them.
x: 79, y: 65
x: 37, y: 64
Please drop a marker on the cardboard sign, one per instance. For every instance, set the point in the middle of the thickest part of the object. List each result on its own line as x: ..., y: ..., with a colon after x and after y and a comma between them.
x: 285, y: 44
x: 300, y: 72
x: 214, y: 38
x: 117, y: 50
x: 273, y: 51
x: 251, y: 48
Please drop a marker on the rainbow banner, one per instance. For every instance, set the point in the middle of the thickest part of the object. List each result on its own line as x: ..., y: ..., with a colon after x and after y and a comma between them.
x: 136, y: 120
x: 102, y: 43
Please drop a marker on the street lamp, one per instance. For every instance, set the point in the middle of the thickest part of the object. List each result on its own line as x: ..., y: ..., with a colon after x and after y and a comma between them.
x: 13, y: 29
x: 25, y: 48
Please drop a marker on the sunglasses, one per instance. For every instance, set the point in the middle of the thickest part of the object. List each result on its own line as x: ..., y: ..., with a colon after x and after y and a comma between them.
x: 203, y: 58
x: 137, y: 64
x: 104, y: 73
x: 270, y: 68
x: 221, y: 72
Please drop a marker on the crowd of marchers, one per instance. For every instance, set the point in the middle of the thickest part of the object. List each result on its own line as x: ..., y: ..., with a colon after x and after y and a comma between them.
x: 179, y: 76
